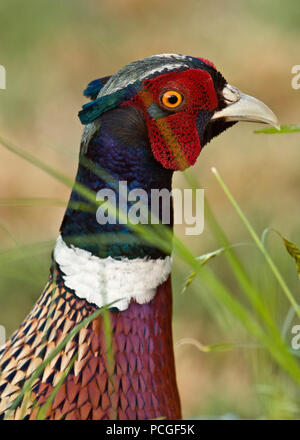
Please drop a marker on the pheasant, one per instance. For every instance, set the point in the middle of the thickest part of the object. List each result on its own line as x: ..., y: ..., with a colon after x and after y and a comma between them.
x: 146, y: 121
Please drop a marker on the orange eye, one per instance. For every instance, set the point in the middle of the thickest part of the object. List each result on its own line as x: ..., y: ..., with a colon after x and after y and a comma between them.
x: 171, y: 99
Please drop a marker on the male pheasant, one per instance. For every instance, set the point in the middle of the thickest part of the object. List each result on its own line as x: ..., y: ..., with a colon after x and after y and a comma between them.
x: 146, y: 121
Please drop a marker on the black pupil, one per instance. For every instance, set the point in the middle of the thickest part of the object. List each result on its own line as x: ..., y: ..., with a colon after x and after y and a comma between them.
x: 172, y: 99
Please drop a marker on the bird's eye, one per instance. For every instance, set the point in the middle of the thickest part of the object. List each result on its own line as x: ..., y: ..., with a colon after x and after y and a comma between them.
x: 171, y: 99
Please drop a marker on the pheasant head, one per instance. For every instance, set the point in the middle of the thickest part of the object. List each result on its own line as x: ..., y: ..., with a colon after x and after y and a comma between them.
x: 184, y: 102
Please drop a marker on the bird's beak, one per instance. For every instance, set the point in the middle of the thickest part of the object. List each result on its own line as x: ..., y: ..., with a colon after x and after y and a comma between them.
x: 241, y: 107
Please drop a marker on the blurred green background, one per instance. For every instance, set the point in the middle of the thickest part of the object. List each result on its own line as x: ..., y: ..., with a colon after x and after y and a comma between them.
x: 51, y: 49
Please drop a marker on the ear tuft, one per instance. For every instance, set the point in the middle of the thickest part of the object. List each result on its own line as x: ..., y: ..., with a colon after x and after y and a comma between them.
x: 92, y: 110
x: 94, y: 87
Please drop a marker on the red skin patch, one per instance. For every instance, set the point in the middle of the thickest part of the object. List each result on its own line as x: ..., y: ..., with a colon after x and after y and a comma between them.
x: 174, y: 138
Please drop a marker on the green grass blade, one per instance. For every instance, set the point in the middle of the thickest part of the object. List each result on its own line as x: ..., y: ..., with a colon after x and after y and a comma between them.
x: 205, y: 258
x: 239, y: 271
x: 36, y: 374
x: 43, y: 410
x: 284, y: 129
x: 206, y: 348
x: 259, y: 244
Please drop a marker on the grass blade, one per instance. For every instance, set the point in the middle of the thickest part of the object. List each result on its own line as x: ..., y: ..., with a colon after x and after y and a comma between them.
x: 259, y: 244
x: 284, y: 129
x: 35, y: 375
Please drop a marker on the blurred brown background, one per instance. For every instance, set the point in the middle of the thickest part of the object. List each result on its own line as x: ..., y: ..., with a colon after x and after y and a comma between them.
x: 51, y: 49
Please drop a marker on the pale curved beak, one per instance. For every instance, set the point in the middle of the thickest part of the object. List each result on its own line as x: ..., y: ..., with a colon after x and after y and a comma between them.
x: 241, y: 107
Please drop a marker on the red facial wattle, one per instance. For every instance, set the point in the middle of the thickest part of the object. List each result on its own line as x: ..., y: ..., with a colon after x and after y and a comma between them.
x: 174, y: 137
